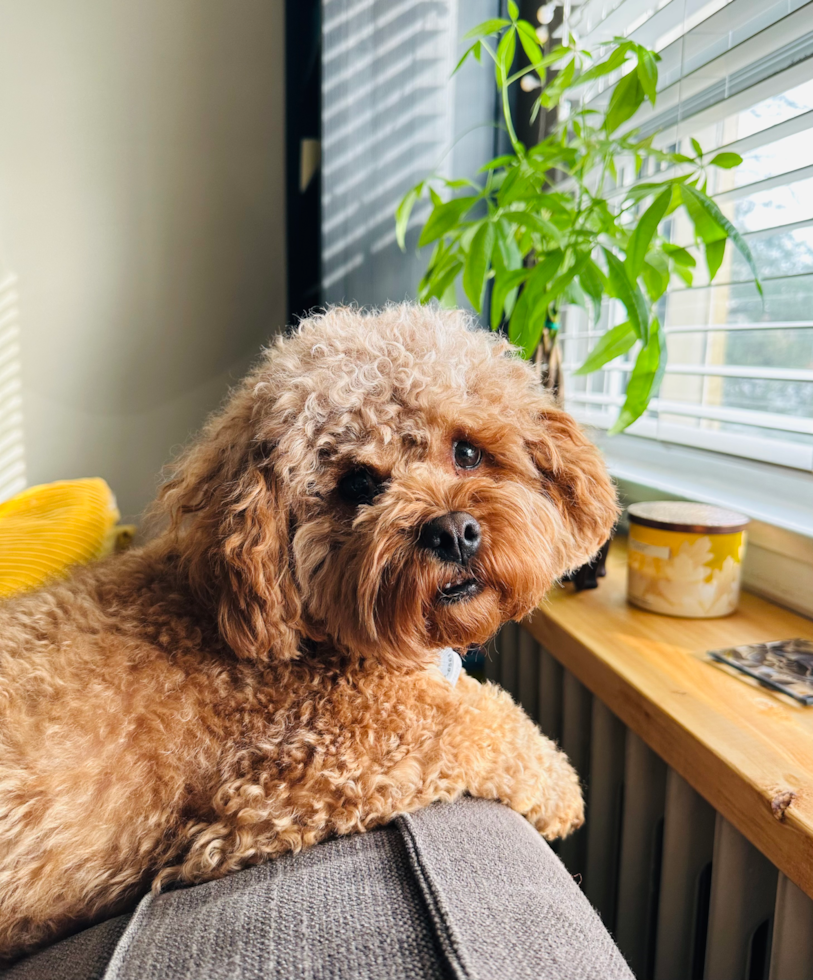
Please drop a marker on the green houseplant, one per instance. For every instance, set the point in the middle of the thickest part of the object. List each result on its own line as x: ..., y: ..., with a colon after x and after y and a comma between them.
x: 548, y: 224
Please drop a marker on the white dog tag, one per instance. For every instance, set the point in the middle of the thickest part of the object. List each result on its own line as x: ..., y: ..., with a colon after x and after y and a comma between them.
x: 450, y: 664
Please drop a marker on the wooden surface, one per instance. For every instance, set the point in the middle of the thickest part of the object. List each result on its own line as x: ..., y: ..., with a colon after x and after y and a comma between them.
x: 748, y: 751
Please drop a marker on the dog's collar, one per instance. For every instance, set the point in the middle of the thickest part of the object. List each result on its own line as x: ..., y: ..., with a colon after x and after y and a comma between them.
x: 450, y: 664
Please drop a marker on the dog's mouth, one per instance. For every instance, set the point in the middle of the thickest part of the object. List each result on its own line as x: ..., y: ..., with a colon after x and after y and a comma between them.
x: 458, y: 589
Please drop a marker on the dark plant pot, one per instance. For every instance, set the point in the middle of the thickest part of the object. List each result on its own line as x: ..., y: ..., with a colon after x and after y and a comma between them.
x: 588, y: 575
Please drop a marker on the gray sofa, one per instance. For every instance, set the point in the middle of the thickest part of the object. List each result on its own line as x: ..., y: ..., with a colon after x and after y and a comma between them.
x: 466, y: 891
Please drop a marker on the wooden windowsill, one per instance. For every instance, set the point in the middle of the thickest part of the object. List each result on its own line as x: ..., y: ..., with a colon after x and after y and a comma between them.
x: 746, y: 750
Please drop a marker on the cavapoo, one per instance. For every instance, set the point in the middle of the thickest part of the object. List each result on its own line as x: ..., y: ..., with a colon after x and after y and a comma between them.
x: 262, y: 674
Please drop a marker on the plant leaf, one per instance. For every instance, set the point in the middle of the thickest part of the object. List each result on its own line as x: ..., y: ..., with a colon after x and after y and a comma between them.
x: 628, y: 291
x: 513, y: 10
x: 574, y: 294
x: 551, y: 95
x: 440, y: 285
x: 403, y: 214
x: 660, y: 371
x: 679, y: 255
x: 642, y: 236
x: 460, y: 182
x: 684, y: 273
x: 526, y: 28
x: 714, y: 256
x: 509, y: 252
x: 594, y: 284
x: 444, y: 217
x: 506, y: 50
x: 529, y: 42
x: 640, y: 191
x: 534, y: 222
x: 503, y: 293
x: 706, y: 225
x: 525, y: 312
x: 528, y: 339
x: 506, y: 160
x: 477, y: 261
x: 612, y: 344
x: 726, y: 160
x: 677, y: 197
x: 519, y: 185
x: 655, y: 275
x: 436, y: 283
x: 698, y: 149
x: 448, y: 299
x: 644, y: 381
x: 492, y: 26
x: 610, y: 64
x: 558, y: 54
x: 715, y: 214
x: 647, y: 72
x: 625, y: 101
x: 464, y: 57
x: 439, y: 253
x: 512, y: 177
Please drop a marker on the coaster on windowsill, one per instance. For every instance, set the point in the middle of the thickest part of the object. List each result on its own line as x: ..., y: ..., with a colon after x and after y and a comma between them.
x: 784, y: 665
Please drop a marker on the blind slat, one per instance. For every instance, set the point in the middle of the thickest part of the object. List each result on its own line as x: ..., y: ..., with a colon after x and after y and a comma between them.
x: 714, y: 413
x: 776, y: 451
x: 783, y: 43
x: 767, y: 184
x: 709, y: 328
x: 720, y: 371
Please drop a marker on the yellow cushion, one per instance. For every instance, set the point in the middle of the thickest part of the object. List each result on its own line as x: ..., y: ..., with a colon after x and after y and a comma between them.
x: 46, y: 529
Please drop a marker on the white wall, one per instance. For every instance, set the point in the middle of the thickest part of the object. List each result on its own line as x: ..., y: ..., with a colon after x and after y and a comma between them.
x: 142, y: 210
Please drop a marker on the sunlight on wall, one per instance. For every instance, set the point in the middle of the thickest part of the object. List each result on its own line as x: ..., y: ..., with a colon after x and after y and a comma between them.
x: 12, y: 448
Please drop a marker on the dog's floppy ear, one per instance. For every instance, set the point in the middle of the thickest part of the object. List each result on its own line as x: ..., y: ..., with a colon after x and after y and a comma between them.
x: 574, y: 477
x: 232, y: 530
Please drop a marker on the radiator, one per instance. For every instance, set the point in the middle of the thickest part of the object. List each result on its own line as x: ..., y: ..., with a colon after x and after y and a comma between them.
x: 685, y: 895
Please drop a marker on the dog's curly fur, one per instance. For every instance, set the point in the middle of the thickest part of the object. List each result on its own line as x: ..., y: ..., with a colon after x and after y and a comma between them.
x: 260, y: 675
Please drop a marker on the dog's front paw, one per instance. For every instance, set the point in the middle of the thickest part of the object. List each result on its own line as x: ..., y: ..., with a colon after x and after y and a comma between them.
x: 560, y: 809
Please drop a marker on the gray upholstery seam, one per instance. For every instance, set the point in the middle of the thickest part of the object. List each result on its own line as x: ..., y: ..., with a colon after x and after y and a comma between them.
x: 116, y: 962
x: 448, y: 939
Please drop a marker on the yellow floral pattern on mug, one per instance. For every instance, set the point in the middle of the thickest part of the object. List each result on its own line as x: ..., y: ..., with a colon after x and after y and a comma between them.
x: 684, y: 574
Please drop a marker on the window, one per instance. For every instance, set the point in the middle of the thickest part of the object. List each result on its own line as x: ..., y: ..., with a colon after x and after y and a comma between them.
x: 736, y: 75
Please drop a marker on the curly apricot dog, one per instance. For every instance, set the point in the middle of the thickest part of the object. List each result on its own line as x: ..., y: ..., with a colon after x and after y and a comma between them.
x: 261, y: 675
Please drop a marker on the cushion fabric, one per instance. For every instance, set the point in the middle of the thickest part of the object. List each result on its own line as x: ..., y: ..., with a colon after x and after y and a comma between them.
x: 464, y: 891
x: 44, y: 530
x: 84, y: 956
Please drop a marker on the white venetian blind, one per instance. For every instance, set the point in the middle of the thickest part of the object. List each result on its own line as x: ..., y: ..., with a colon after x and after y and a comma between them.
x: 735, y: 74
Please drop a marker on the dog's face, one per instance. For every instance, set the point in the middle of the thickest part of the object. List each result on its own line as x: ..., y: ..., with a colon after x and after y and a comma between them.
x: 388, y: 484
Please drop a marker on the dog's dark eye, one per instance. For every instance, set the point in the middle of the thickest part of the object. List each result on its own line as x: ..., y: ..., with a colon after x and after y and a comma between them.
x: 359, y: 487
x: 466, y: 456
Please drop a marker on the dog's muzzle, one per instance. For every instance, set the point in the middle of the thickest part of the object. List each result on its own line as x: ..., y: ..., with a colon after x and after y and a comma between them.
x: 453, y: 538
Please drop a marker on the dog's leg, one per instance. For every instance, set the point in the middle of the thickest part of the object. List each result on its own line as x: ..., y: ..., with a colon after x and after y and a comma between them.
x: 469, y: 739
x: 502, y: 755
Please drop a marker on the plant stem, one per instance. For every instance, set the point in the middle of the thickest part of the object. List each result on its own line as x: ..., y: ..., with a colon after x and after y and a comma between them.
x: 506, y: 111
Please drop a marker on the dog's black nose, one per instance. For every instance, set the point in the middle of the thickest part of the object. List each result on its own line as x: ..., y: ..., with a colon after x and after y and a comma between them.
x: 454, y: 537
